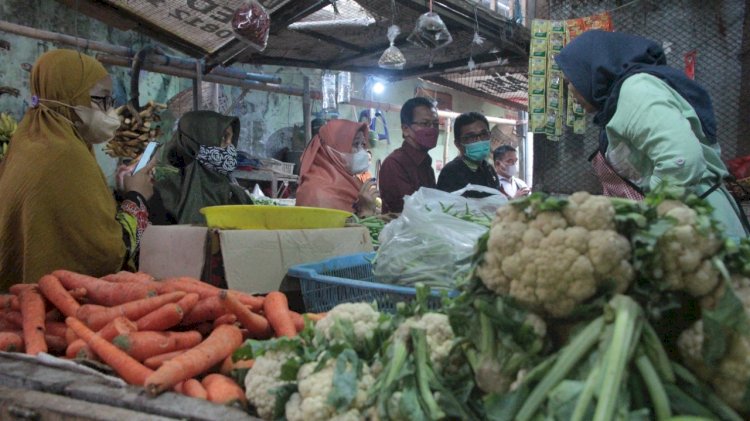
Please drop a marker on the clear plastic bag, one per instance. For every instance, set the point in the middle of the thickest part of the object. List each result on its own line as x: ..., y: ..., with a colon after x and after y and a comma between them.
x: 392, y: 57
x: 328, y: 90
x: 252, y: 24
x: 430, y: 32
x: 427, y: 243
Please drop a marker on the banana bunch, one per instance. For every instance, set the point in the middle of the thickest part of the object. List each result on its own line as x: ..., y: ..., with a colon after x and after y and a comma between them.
x: 8, y: 126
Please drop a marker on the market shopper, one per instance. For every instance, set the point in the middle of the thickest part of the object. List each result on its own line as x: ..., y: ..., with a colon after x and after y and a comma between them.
x: 409, y: 167
x: 329, y: 166
x: 472, y: 138
x: 57, y: 211
x: 203, y: 149
x: 505, y: 158
x: 657, y: 124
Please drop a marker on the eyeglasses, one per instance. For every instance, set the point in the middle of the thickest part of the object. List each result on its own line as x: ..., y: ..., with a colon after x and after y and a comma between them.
x: 475, y: 137
x: 104, y: 102
x: 427, y: 124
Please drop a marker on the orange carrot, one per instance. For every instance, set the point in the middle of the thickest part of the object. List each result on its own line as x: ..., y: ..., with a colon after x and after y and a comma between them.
x: 142, y: 345
x: 55, y: 344
x: 32, y: 310
x: 223, y: 390
x: 53, y: 290
x: 219, y: 344
x: 70, y: 336
x: 204, y: 310
x: 18, y: 288
x: 298, y: 319
x: 86, y: 310
x: 118, y: 326
x: 7, y: 326
x: 11, y: 342
x: 103, y: 292
x: 229, y: 364
x: 133, y: 310
x: 161, y: 319
x: 194, y: 389
x: 13, y: 317
x: 256, y: 324
x: 226, y: 319
x: 276, y: 308
x: 157, y: 360
x: 78, y: 294
x: 129, y: 369
x: 125, y: 276
x: 188, y: 302
x: 8, y: 302
x: 205, y: 290
x: 56, y: 328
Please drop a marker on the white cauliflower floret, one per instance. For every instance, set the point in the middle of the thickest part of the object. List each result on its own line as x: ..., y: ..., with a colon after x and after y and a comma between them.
x: 438, y: 332
x: 686, y: 252
x: 363, y: 317
x: 310, y: 403
x: 557, y: 260
x: 262, y: 378
x: 731, y: 377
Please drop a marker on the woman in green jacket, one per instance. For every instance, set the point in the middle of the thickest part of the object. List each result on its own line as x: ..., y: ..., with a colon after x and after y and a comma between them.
x: 657, y: 124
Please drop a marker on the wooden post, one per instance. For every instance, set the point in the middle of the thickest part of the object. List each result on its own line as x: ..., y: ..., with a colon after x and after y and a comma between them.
x: 307, y: 109
x: 197, y: 88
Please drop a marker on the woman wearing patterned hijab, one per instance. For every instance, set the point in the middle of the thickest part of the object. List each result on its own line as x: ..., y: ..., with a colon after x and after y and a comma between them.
x: 56, y: 210
x: 204, y: 151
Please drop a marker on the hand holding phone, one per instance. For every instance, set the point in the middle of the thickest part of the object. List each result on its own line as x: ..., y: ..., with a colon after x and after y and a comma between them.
x: 146, y: 156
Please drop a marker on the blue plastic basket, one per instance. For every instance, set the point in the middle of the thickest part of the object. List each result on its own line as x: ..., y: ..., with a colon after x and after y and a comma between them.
x: 349, y: 279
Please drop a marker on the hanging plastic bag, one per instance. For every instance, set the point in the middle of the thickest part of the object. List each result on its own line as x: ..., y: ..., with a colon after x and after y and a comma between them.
x: 251, y: 24
x: 392, y: 57
x: 433, y: 240
x: 344, y: 87
x: 430, y: 32
x: 328, y: 90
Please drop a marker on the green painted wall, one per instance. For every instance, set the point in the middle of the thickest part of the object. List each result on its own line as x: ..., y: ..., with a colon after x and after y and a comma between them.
x: 266, y: 118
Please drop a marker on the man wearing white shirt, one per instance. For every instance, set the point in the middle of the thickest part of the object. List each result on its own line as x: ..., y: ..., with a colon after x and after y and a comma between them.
x: 506, y: 166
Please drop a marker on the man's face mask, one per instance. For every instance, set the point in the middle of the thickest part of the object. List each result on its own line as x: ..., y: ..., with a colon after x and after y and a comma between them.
x: 217, y: 159
x: 477, y: 151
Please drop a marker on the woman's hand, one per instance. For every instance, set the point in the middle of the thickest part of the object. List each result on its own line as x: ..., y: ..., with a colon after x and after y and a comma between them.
x: 366, y: 199
x: 140, y: 182
x: 522, y: 192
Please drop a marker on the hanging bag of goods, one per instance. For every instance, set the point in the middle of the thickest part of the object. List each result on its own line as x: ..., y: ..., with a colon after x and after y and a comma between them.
x: 251, y: 24
x: 430, y: 32
x: 392, y: 57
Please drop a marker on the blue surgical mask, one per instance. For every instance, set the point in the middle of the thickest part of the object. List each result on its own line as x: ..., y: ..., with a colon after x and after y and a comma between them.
x: 477, y: 151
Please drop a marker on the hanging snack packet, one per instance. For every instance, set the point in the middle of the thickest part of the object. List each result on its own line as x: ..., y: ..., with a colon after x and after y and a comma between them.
x: 251, y: 24
x: 430, y: 32
x: 392, y: 57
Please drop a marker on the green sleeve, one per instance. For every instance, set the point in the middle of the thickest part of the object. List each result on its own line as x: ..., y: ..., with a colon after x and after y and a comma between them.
x: 657, y: 122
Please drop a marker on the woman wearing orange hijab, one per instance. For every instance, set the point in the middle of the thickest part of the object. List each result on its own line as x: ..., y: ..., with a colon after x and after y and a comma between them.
x: 328, y: 169
x: 57, y: 211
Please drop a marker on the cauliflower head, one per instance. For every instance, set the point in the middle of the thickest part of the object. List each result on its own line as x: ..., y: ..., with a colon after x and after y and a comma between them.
x: 731, y: 377
x: 263, y: 378
x: 553, y: 261
x: 310, y: 402
x: 438, y: 331
x: 686, y: 252
x: 363, y: 317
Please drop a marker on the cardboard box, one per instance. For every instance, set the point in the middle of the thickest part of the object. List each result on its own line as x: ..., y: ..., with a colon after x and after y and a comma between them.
x: 254, y: 261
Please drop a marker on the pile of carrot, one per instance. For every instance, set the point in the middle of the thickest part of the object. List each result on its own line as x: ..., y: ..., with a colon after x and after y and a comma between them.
x: 172, y: 334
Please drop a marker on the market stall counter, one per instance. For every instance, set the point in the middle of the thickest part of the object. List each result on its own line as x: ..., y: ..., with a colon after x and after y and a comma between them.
x: 46, y: 387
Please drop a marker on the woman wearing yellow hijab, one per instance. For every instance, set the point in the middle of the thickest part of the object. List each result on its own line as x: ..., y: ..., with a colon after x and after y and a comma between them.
x: 56, y: 210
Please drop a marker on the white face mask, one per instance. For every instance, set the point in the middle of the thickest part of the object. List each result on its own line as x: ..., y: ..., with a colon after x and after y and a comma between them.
x: 360, y: 162
x: 512, y: 170
x: 96, y: 126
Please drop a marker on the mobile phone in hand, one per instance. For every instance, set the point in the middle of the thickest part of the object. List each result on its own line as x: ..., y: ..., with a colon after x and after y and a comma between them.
x: 146, y: 156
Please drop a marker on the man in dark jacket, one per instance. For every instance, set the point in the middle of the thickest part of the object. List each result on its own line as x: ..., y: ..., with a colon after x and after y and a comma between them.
x: 472, y: 138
